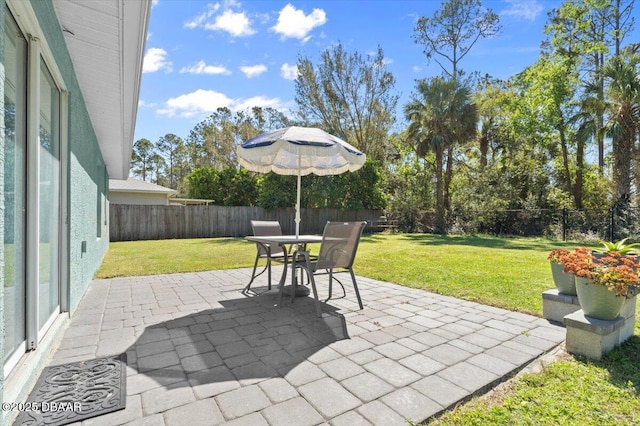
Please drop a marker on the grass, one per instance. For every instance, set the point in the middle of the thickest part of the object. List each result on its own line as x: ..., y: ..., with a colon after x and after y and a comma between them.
x: 506, y: 272
x: 134, y: 258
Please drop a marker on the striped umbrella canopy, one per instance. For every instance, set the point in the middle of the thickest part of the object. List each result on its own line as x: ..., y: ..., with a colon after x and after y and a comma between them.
x: 299, y: 151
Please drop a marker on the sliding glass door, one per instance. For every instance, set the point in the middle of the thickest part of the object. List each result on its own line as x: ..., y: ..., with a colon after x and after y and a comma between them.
x: 49, y: 199
x: 32, y: 193
x: 15, y: 198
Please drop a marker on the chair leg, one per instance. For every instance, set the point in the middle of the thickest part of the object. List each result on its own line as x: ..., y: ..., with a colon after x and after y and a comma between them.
x: 281, y: 290
x: 269, y: 273
x: 355, y: 286
x: 253, y: 274
x: 330, y: 283
x: 292, y: 290
x: 315, y: 294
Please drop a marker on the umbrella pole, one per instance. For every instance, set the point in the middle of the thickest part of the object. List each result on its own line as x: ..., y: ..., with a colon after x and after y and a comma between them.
x: 298, y: 208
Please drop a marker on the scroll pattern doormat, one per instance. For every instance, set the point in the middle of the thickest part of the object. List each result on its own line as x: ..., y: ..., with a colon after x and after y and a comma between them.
x: 77, y: 391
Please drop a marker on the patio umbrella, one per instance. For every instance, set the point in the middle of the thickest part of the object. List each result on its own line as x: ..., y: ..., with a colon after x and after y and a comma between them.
x: 299, y: 151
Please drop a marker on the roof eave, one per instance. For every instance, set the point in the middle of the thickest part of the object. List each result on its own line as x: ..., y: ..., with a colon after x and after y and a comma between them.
x: 122, y: 28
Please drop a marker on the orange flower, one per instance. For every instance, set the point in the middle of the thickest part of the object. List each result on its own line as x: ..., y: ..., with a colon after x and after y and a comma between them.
x: 578, y: 261
x: 558, y: 255
x: 619, y: 273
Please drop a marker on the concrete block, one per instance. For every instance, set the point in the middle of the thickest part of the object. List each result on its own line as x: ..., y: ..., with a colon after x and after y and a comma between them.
x: 627, y: 330
x: 629, y: 314
x: 592, y: 337
x: 556, y: 305
x: 629, y: 308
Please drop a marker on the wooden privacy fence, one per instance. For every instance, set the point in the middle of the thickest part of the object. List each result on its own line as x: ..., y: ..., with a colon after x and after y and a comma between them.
x: 129, y: 222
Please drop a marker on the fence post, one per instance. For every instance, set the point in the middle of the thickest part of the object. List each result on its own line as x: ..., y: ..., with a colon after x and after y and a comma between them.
x: 564, y: 224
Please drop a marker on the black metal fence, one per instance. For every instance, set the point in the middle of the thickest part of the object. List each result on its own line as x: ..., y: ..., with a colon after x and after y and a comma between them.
x: 614, y: 223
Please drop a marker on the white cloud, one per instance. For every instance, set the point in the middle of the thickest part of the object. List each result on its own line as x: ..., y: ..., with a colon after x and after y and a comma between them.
x: 200, y: 103
x: 253, y: 70
x: 155, y: 60
x: 525, y: 9
x: 202, y: 68
x: 293, y: 23
x: 236, y: 23
x: 289, y: 72
x: 154, y: 2
x: 416, y: 68
x: 195, y: 104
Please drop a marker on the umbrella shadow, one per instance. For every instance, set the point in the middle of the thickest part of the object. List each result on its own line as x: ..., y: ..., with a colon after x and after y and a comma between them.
x: 243, y: 341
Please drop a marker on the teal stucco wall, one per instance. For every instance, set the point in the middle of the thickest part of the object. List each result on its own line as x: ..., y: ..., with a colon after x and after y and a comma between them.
x: 87, y: 176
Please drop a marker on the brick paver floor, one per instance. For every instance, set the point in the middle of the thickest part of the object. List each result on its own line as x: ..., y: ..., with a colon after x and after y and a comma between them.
x: 200, y: 352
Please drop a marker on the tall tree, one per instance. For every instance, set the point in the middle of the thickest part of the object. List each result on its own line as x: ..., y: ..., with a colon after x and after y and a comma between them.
x: 350, y: 95
x: 623, y: 76
x: 589, y: 32
x: 489, y: 100
x: 215, y: 136
x: 448, y: 36
x: 173, y: 149
x: 158, y: 164
x: 440, y: 115
x: 143, y: 149
x: 212, y: 141
x: 452, y: 31
x: 548, y: 88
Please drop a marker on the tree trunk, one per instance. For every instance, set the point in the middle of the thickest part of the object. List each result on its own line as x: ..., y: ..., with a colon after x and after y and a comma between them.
x: 565, y: 155
x: 577, y: 193
x: 448, y: 176
x: 484, y: 150
x: 600, y: 112
x: 622, y: 165
x: 440, y: 227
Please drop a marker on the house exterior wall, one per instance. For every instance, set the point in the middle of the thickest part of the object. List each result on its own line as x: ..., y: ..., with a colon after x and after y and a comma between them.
x: 85, y: 195
x: 140, y: 198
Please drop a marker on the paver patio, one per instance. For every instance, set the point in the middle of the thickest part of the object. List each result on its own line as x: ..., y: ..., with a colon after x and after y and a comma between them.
x: 202, y: 353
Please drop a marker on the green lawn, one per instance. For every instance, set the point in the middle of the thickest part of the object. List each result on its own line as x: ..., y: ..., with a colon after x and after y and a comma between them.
x: 506, y: 272
x: 133, y: 258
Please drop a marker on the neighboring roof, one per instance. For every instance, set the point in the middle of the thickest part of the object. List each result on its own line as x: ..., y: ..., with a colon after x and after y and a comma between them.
x: 190, y: 202
x: 135, y: 185
x: 106, y: 42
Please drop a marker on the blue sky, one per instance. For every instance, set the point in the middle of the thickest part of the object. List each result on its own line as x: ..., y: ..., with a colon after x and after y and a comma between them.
x: 201, y: 55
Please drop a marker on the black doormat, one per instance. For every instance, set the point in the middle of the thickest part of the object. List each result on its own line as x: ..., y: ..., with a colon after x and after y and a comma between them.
x: 73, y: 392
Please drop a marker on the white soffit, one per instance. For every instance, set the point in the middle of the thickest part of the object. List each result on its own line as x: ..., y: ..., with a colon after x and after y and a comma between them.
x: 106, y: 40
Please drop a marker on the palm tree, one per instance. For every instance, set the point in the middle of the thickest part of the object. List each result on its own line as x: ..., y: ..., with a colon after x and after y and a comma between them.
x: 624, y: 115
x: 441, y: 116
